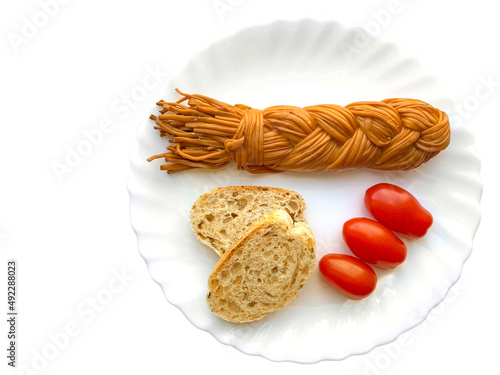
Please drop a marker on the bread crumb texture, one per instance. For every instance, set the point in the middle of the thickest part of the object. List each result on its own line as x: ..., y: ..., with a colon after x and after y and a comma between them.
x: 221, y: 216
x: 264, y: 270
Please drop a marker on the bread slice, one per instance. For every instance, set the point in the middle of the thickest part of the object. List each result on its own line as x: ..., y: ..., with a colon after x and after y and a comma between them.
x: 264, y: 270
x: 220, y: 216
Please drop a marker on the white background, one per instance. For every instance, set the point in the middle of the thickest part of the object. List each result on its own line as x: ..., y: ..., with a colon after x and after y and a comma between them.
x: 72, y: 236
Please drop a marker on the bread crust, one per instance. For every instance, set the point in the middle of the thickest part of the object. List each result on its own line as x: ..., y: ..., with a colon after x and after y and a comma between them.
x: 264, y: 270
x: 220, y: 216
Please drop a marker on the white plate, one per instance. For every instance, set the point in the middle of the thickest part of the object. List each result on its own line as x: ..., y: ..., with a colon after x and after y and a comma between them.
x: 304, y: 63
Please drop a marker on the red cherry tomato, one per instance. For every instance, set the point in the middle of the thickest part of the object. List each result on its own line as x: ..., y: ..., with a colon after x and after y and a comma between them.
x: 348, y: 274
x: 373, y: 242
x: 398, y: 210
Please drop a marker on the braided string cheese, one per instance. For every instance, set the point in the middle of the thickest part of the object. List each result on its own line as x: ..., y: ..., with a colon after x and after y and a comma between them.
x: 391, y: 134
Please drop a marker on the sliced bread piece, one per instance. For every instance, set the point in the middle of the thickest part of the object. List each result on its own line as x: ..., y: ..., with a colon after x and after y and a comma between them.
x: 220, y: 216
x: 264, y: 270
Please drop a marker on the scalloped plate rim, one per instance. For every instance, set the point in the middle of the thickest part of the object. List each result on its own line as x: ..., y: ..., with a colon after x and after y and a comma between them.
x: 140, y: 236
